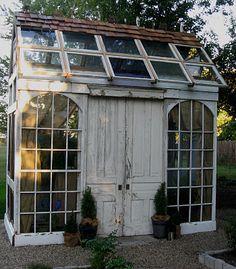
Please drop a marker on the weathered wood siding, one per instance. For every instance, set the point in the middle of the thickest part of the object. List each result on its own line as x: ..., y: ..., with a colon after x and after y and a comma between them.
x: 226, y: 152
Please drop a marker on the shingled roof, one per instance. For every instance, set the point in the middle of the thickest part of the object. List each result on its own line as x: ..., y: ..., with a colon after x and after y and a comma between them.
x: 35, y: 21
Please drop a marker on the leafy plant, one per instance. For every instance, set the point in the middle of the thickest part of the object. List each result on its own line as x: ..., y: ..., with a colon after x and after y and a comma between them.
x: 88, y: 205
x: 38, y: 266
x: 160, y: 200
x: 230, y: 231
x: 71, y: 225
x: 119, y: 263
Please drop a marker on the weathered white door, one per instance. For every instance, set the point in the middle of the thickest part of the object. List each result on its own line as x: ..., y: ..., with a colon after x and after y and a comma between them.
x: 124, y: 161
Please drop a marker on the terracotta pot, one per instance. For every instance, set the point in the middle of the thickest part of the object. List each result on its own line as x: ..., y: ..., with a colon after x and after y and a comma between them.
x: 72, y: 239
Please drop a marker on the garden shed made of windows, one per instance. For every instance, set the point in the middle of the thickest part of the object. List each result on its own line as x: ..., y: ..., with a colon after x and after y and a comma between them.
x: 115, y: 107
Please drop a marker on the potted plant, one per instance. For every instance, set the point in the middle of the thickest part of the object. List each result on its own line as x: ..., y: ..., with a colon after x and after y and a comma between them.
x: 89, y: 223
x: 160, y: 219
x: 71, y: 234
x: 175, y: 221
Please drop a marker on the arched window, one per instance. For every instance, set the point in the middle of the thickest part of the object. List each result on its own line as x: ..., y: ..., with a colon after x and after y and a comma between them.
x: 50, y: 163
x: 190, y: 161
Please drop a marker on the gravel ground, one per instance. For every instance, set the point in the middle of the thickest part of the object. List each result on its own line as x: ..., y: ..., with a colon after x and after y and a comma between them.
x: 144, y: 251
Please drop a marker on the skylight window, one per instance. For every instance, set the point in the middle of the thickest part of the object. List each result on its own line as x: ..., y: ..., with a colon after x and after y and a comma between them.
x: 120, y: 45
x: 200, y: 72
x: 79, y: 41
x: 192, y: 54
x: 154, y: 48
x: 39, y: 38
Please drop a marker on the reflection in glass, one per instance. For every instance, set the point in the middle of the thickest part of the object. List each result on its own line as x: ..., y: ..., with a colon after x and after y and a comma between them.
x: 195, y: 213
x: 58, y: 181
x: 58, y: 201
x: 160, y: 49
x: 43, y: 159
x: 208, y: 119
x: 172, y: 178
x: 83, y: 41
x: 129, y: 68
x: 27, y: 181
x: 26, y: 202
x: 29, y: 113
x: 207, y: 195
x: 203, y: 73
x: 73, y: 118
x: 184, y: 177
x: 58, y: 222
x: 184, y: 196
x: 206, y: 212
x: 28, y: 138
x: 196, y: 158
x: 73, y: 140
x: 172, y: 196
x: 44, y: 139
x: 196, y: 195
x: 71, y: 201
x: 184, y: 213
x: 42, y: 202
x: 196, y: 177
x: 208, y: 158
x: 168, y: 71
x: 39, y: 38
x: 207, y: 177
x: 59, y: 139
x: 43, y: 182
x: 192, y: 54
x: 42, y: 223
x: 185, y: 116
x: 59, y: 160
x: 26, y: 223
x: 185, y: 140
x: 173, y: 140
x: 45, y: 111
x: 173, y: 118
x: 172, y: 159
x: 60, y: 111
x: 79, y: 62
x: 197, y: 116
x: 72, y: 160
x: 120, y: 45
x: 208, y: 141
x: 184, y: 159
x: 27, y: 159
x: 196, y: 141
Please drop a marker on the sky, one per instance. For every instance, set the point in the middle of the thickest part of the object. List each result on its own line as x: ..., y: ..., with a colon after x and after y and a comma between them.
x: 215, y: 22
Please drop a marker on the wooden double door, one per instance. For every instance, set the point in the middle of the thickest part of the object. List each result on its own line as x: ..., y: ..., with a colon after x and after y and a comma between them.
x: 124, y: 162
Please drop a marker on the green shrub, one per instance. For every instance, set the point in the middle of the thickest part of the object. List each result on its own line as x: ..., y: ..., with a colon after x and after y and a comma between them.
x: 88, y: 205
x: 119, y: 263
x: 71, y: 225
x: 160, y: 200
x: 38, y: 266
x: 230, y: 231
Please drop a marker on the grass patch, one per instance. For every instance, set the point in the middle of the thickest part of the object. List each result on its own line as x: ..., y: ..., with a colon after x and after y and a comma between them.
x: 2, y: 180
x: 228, y: 171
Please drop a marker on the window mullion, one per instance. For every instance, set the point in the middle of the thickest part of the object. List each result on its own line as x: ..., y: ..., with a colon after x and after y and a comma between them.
x: 190, y: 159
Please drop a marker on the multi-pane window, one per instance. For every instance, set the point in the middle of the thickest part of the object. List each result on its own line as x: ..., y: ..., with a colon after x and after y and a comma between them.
x: 190, y: 161
x: 50, y: 163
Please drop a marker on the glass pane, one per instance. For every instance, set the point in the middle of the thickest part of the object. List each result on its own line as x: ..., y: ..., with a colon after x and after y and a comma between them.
x: 71, y: 201
x: 185, y: 116
x: 195, y: 213
x: 26, y: 202
x: 43, y: 60
x: 59, y: 139
x: 184, y: 213
x: 196, y: 158
x: 43, y: 182
x: 58, y: 201
x: 154, y: 48
x: 27, y: 223
x: 184, y: 159
x: 43, y: 159
x: 184, y: 177
x: 44, y: 139
x: 58, y: 181
x: 207, y: 195
x: 206, y: 212
x: 172, y: 159
x: 196, y: 196
x: 168, y: 71
x: 72, y: 160
x: 208, y: 119
x: 208, y: 159
x: 192, y: 54
x: 73, y: 121
x: 207, y: 177
x: 172, y: 211
x: 27, y: 182
x: 183, y: 196
x: 28, y: 138
x: 60, y: 111
x: 42, y: 223
x: 45, y: 111
x: 29, y: 113
x: 58, y: 222
x: 197, y: 116
x: 120, y: 45
x: 39, y: 38
x: 73, y: 180
x: 208, y: 141
x: 203, y: 73
x: 73, y: 140
x: 172, y: 196
x: 43, y: 202
x: 129, y: 68
x: 172, y: 178
x: 79, y: 62
x: 79, y: 41
x: 59, y: 160
x: 185, y: 140
x: 27, y: 159
x: 196, y: 141
x: 173, y: 118
x: 196, y: 177
x: 173, y: 140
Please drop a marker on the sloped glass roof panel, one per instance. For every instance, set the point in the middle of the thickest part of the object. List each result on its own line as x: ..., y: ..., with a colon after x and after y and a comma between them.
x: 82, y: 41
x: 159, y: 49
x: 169, y: 71
x: 39, y: 38
x: 192, y: 54
x: 85, y: 63
x: 120, y: 45
x: 43, y: 59
x: 203, y: 73
x: 129, y: 68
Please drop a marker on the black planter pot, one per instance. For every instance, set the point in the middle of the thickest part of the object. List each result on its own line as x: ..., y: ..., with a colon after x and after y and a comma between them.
x: 88, y: 232
x: 160, y: 229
